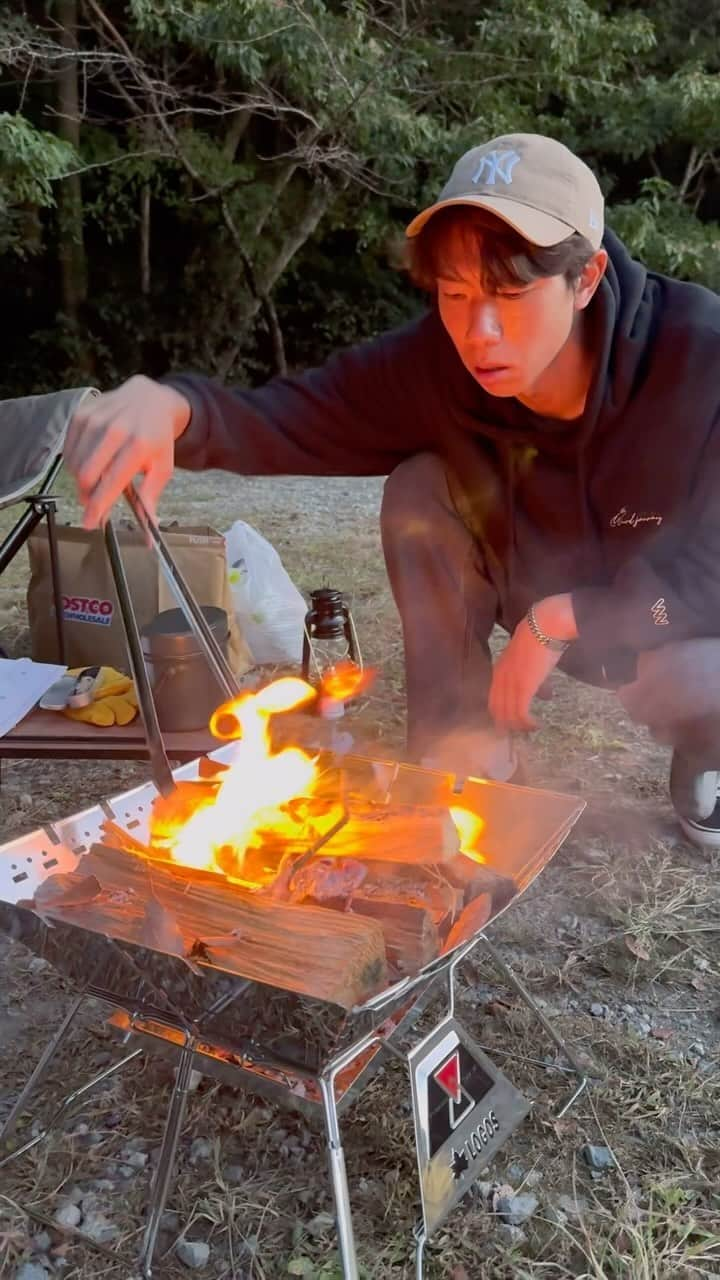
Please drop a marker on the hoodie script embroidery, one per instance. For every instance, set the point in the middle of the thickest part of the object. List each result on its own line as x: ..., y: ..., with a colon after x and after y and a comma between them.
x: 634, y: 518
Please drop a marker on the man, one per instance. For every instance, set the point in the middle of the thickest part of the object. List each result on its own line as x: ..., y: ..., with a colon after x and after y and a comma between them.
x: 549, y: 428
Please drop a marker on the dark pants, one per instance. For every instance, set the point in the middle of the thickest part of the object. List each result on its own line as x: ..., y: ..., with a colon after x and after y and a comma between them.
x: 448, y: 606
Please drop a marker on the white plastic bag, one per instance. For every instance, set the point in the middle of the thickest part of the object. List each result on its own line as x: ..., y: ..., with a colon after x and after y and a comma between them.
x: 268, y: 606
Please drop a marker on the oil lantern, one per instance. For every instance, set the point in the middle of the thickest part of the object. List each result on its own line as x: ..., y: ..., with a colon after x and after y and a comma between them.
x: 330, y: 643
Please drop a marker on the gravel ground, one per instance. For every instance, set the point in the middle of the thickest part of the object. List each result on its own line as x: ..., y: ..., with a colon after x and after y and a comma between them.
x: 618, y: 939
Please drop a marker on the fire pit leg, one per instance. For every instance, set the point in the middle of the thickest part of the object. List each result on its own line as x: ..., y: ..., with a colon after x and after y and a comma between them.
x: 514, y: 982
x: 51, y: 1048
x: 168, y: 1151
x: 421, y: 1238
x: 338, y: 1175
x: 67, y: 1104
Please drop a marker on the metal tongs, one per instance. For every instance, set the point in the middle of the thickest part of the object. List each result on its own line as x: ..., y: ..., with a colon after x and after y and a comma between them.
x: 218, y: 663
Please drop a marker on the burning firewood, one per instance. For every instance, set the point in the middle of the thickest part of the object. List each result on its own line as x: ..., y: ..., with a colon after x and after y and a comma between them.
x: 474, y: 878
x: 326, y: 880
x: 413, y: 835
x: 472, y: 920
x: 426, y: 887
x: 170, y: 813
x: 67, y: 889
x: 252, y: 858
x: 116, y: 835
x: 411, y: 936
x: 331, y: 955
x: 160, y: 931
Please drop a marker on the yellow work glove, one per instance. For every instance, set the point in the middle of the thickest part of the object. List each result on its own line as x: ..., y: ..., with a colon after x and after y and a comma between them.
x: 114, y: 700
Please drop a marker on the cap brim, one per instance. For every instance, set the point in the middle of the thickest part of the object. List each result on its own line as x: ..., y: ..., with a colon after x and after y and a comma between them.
x: 539, y: 228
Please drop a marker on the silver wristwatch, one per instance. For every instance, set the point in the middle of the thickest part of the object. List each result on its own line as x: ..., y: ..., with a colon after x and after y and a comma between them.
x: 557, y: 646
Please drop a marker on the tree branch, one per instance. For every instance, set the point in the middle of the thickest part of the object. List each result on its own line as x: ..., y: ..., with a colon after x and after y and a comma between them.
x: 690, y: 171
x: 316, y: 206
x: 236, y: 131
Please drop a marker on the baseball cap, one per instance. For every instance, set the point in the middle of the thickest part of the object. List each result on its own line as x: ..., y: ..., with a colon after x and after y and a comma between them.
x: 535, y: 184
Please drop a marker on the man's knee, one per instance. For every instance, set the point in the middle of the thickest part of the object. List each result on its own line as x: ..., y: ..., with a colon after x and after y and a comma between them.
x: 677, y: 695
x: 415, y: 493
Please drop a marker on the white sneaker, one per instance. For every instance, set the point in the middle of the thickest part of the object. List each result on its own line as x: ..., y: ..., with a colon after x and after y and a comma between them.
x: 696, y: 799
x: 703, y: 832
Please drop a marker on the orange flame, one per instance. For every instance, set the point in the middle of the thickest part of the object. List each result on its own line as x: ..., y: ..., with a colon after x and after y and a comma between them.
x: 265, y: 797
x: 255, y: 785
x: 469, y: 828
x: 346, y: 680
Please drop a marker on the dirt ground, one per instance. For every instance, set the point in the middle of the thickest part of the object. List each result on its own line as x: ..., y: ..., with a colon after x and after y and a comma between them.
x: 618, y: 940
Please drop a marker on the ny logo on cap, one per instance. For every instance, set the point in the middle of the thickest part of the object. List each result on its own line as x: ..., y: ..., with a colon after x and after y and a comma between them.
x: 494, y: 165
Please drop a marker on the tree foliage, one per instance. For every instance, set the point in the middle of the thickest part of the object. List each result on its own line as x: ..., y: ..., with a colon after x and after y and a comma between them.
x: 238, y: 168
x: 31, y: 162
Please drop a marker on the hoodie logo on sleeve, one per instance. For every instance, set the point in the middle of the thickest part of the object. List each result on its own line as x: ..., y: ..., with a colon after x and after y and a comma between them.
x: 659, y: 613
x: 634, y: 518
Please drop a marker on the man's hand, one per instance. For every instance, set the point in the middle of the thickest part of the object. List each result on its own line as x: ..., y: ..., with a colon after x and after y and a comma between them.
x: 525, y: 664
x: 127, y: 432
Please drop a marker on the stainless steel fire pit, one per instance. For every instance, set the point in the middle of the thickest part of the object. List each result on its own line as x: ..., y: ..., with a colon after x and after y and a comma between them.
x: 464, y: 1107
x: 201, y: 1006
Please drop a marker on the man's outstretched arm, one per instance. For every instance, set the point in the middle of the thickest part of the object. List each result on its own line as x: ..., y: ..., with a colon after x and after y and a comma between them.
x: 126, y: 432
x: 359, y: 414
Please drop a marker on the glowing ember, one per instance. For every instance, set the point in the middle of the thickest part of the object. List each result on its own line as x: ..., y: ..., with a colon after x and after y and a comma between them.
x: 469, y: 828
x: 258, y: 782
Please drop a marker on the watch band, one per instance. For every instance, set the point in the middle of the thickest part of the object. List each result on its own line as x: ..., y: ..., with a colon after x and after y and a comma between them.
x: 549, y: 642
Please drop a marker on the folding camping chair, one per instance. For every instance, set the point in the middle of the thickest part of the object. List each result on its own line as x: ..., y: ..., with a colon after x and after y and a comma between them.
x: 32, y: 435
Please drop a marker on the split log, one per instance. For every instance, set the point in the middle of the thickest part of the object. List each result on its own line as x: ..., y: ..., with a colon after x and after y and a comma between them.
x: 115, y: 835
x: 332, y: 956
x: 409, y: 834
x: 160, y: 980
x: 259, y: 865
x: 425, y: 887
x: 474, y: 878
x: 473, y: 918
x: 413, y: 836
x: 411, y: 937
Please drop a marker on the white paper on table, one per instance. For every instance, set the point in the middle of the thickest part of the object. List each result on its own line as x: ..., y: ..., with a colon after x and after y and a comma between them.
x: 22, y: 684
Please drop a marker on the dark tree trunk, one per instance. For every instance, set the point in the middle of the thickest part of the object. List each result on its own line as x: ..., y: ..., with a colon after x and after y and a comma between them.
x: 145, y: 207
x: 72, y: 250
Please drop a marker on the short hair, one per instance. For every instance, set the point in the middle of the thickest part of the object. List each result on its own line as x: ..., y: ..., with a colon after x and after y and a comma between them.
x: 504, y: 257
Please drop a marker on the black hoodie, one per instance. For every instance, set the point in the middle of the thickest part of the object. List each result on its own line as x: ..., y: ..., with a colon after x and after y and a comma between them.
x: 620, y: 507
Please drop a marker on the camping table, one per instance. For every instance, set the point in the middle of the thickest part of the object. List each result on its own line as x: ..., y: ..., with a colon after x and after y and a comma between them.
x: 49, y: 735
